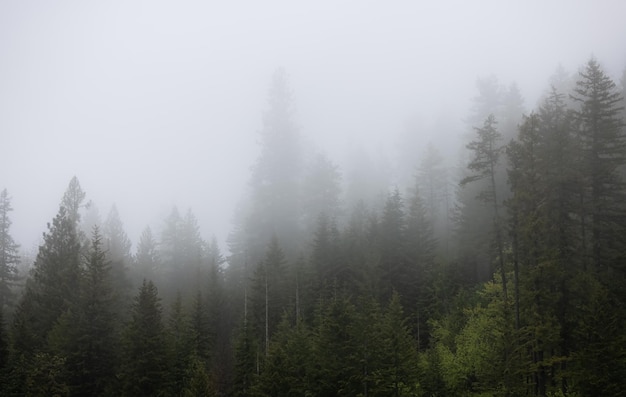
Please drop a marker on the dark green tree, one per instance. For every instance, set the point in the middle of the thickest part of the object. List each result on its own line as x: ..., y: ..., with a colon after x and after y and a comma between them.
x: 337, y: 368
x: 180, y: 345
x: 269, y: 293
x: 246, y: 368
x: 421, y: 250
x: 201, y: 329
x: 53, y: 287
x: 394, y: 267
x: 397, y: 376
x: 287, y: 371
x: 601, y: 132
x: 93, y: 354
x: 144, y: 362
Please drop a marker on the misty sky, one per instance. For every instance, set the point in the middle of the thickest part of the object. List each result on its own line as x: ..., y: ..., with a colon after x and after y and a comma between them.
x: 159, y: 103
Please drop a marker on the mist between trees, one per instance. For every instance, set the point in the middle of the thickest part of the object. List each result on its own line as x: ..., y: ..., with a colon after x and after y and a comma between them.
x: 502, y: 276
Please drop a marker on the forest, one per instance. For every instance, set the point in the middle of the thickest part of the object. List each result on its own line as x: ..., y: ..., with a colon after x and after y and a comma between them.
x: 502, y: 276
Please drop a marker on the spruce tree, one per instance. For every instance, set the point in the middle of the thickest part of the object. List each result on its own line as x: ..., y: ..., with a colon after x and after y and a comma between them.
x: 486, y: 152
x: 147, y: 261
x: 54, y: 285
x: 93, y: 354
x: 601, y: 131
x: 144, y: 362
x: 117, y: 246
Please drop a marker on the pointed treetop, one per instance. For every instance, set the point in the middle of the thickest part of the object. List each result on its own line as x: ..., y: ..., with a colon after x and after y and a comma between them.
x: 73, y: 199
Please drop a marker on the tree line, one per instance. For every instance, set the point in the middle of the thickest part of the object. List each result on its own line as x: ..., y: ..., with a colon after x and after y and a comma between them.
x: 509, y: 282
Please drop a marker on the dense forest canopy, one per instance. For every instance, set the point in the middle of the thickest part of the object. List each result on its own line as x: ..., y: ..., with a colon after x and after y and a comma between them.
x: 504, y: 279
x: 415, y: 208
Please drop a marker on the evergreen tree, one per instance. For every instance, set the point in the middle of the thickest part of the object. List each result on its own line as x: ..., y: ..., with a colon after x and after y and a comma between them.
x: 603, y: 142
x: 92, y: 355
x: 53, y: 287
x: 275, y: 186
x: 117, y: 246
x: 396, y: 269
x: 486, y: 152
x: 192, y: 247
x: 147, y: 262
x: 170, y: 247
x: 144, y: 362
x: 420, y: 250
x: 180, y: 345
x: 246, y: 369
x: 397, y: 376
x: 4, y: 349
x: 9, y: 257
x: 73, y: 200
x: 202, y: 330
x: 288, y: 366
x: 337, y: 368
x: 432, y: 181
x: 321, y: 192
x: 269, y: 295
x: 326, y: 265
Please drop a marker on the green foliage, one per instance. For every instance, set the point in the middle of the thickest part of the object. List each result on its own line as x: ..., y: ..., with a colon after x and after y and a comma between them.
x: 246, y: 362
x: 144, y: 362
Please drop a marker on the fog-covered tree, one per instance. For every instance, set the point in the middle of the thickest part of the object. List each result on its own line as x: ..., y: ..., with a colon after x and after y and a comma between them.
x: 9, y: 252
x: 117, y: 246
x: 432, y: 182
x: 275, y: 182
x: 147, y: 263
x: 601, y: 131
x: 486, y: 150
x: 321, y: 191
x: 73, y: 199
x: 269, y: 294
x: 421, y: 250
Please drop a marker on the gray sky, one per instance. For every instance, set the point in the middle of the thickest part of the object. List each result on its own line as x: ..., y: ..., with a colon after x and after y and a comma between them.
x: 156, y: 103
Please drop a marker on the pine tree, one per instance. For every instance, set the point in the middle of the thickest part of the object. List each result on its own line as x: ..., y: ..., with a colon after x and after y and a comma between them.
x: 275, y: 181
x: 93, y: 356
x: 201, y: 329
x: 337, y: 367
x: 421, y: 248
x: 486, y: 153
x: 54, y: 285
x: 269, y: 295
x: 246, y: 369
x: 395, y: 269
x: 117, y: 246
x: 604, y: 152
x: 321, y: 192
x: 9, y: 257
x: 288, y: 365
x: 397, y: 375
x: 144, y: 362
x: 180, y: 345
x: 73, y: 200
x: 147, y: 262
x: 4, y: 349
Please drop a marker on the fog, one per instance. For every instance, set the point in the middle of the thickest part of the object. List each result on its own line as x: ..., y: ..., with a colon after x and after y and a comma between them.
x: 153, y: 104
